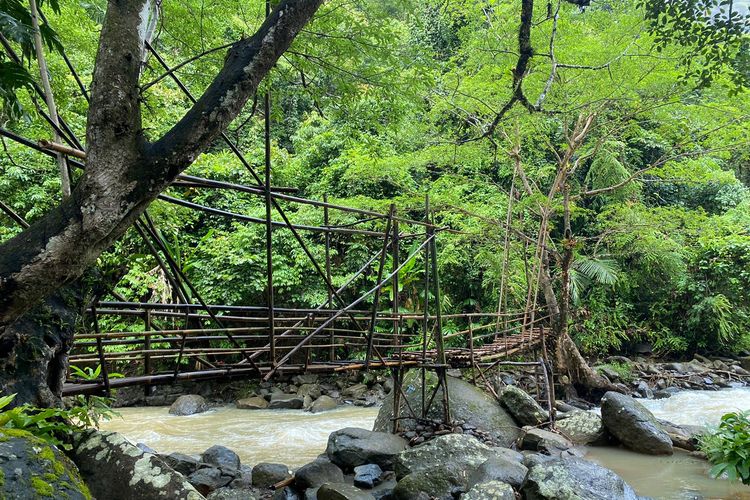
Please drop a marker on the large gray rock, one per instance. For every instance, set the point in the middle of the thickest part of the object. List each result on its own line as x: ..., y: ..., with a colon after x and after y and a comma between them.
x: 266, y: 475
x: 633, y: 425
x: 32, y: 469
x: 499, y: 469
x: 544, y: 441
x: 352, y: 446
x: 342, y: 491
x: 252, y: 403
x: 583, y: 427
x: 116, y: 469
x: 367, y: 476
x: 316, y: 474
x: 184, y: 464
x: 208, y: 479
x: 286, y: 402
x: 524, y: 409
x: 462, y: 452
x: 468, y: 403
x: 231, y: 494
x: 221, y: 456
x: 323, y: 403
x: 188, y: 404
x: 491, y: 490
x: 443, y: 482
x: 312, y: 390
x: 574, y: 479
x: 686, y: 437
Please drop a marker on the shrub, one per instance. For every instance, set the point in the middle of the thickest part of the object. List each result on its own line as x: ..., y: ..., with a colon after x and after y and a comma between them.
x: 728, y: 447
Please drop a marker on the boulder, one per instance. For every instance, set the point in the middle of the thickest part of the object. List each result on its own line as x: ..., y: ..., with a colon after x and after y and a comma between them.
x: 316, y: 474
x: 355, y: 391
x: 231, y: 494
x: 508, y: 454
x: 574, y: 479
x: 499, y: 469
x: 288, y: 493
x: 116, y: 469
x: 367, y: 476
x: 524, y: 409
x: 208, y: 479
x: 30, y: 469
x: 491, y: 490
x: 188, y: 404
x: 184, y: 464
x: 544, y: 441
x: 468, y: 403
x: 323, y: 403
x: 443, y: 482
x: 582, y: 427
x: 253, y: 403
x: 266, y: 475
x: 312, y: 390
x: 342, y: 491
x: 633, y: 425
x: 351, y: 447
x: 222, y: 457
x: 281, y: 401
x: 683, y: 436
x: 306, y: 378
x: 460, y: 451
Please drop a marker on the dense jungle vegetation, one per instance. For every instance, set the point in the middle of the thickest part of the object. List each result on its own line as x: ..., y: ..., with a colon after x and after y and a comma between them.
x: 381, y: 102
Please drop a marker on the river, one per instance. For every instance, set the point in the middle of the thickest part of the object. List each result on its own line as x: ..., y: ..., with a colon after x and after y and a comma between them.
x: 294, y: 438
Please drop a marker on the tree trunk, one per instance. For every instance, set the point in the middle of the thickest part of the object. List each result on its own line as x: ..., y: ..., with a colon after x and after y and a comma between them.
x: 34, y: 351
x: 124, y: 174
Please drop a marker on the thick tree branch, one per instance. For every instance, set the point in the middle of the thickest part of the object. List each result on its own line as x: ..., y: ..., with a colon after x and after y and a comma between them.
x: 124, y: 173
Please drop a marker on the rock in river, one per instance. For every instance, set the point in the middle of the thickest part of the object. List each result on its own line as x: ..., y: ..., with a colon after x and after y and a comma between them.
x: 633, y: 425
x: 468, y: 403
x: 574, y: 479
x: 351, y: 447
x: 221, y: 456
x: 252, y: 403
x: 189, y: 404
x: 342, y: 491
x: 582, y: 427
x: 524, y: 409
x: 266, y: 475
x: 491, y: 490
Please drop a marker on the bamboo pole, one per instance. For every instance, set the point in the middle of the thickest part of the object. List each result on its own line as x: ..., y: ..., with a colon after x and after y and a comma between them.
x: 49, y: 97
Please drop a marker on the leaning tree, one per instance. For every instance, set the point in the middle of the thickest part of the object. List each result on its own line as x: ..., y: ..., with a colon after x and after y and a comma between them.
x: 124, y: 173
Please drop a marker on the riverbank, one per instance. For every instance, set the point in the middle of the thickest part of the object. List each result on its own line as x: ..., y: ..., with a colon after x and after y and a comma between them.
x: 296, y: 438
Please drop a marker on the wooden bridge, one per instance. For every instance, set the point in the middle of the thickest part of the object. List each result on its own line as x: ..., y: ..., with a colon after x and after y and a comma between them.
x: 189, y: 339
x: 309, y: 341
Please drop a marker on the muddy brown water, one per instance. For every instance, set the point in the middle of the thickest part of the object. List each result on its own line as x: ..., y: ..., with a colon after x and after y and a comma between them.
x: 295, y: 438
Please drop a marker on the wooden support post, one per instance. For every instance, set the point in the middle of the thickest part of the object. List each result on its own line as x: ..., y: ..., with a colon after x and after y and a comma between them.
x: 439, y: 346
x: 397, y: 382
x: 326, y: 224
x: 395, y: 303
x: 100, y: 349
x: 376, y: 300
x: 182, y: 345
x: 471, y: 352
x: 147, y: 347
x: 426, y: 319
x: 269, y: 223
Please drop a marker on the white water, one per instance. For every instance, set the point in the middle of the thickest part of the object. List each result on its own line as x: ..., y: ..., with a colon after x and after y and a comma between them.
x: 294, y: 438
x: 290, y: 437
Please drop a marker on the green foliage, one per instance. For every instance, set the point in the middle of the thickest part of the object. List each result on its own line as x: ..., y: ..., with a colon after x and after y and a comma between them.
x: 728, y: 447
x: 381, y: 102
x: 88, y: 373
x: 55, y: 425
x: 624, y: 370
